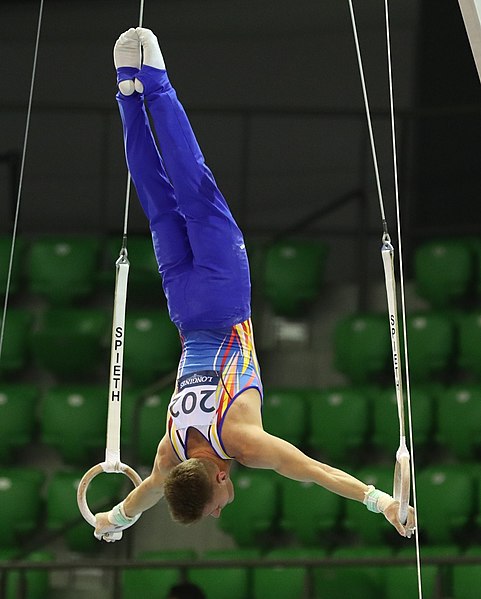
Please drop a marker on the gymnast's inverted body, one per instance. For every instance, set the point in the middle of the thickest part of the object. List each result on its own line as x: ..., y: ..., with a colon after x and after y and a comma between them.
x: 214, y: 417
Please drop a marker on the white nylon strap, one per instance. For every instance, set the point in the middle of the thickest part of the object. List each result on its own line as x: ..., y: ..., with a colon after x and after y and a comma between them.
x: 402, y: 476
x: 387, y: 253
x: 112, y: 450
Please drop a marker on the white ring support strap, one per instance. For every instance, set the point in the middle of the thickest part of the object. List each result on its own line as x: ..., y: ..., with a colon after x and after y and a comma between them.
x: 112, y: 451
x: 402, y: 475
x: 112, y: 461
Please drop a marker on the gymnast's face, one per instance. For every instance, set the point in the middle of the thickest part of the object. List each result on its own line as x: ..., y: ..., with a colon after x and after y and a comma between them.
x: 223, y: 495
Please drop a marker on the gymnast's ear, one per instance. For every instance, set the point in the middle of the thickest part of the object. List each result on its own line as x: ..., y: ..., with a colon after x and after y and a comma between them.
x: 221, y: 476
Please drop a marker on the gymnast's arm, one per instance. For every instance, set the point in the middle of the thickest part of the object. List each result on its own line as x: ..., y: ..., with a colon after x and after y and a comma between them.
x: 258, y: 449
x: 146, y: 495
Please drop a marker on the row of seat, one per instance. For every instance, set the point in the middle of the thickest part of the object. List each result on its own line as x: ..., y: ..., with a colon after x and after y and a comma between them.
x: 74, y: 342
x: 339, y: 424
x: 448, y: 499
x: 72, y: 420
x: 70, y: 341
x: 28, y: 499
x: 33, y: 584
x: 291, y: 580
x: 440, y: 345
x: 390, y: 581
x: 64, y: 269
x: 266, y: 505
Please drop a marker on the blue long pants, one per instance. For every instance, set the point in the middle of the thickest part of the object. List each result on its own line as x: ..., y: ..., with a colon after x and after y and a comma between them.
x: 199, y: 248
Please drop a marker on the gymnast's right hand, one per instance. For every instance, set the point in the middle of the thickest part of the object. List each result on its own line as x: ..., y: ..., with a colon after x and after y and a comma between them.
x: 105, y: 530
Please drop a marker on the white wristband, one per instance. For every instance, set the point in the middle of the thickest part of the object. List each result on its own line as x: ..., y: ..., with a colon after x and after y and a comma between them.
x: 117, y: 516
x: 376, y: 501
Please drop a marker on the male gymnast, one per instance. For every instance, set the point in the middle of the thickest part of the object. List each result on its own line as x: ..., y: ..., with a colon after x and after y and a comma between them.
x: 214, y: 416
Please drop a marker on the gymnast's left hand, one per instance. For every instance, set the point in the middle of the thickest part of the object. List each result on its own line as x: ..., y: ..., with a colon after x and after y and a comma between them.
x: 391, y: 513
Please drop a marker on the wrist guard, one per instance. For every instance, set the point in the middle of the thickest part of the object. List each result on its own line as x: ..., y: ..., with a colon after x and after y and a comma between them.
x: 376, y: 501
x: 117, y: 516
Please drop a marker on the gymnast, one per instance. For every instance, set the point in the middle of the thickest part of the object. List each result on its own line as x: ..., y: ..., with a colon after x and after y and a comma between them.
x: 214, y: 416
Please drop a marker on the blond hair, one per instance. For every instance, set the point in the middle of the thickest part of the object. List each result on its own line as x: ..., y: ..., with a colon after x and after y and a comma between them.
x: 188, y: 489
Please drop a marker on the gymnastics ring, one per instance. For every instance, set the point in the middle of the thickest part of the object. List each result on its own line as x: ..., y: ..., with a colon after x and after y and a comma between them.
x: 88, y: 477
x: 402, y: 484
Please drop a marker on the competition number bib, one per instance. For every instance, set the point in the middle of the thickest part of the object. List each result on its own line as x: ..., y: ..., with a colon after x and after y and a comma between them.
x: 194, y: 402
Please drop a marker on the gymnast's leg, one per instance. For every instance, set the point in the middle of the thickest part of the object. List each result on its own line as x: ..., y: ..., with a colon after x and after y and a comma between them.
x: 216, y: 241
x: 156, y: 194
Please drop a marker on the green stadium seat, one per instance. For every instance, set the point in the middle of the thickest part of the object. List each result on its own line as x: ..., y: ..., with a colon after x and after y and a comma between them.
x: 443, y: 271
x: 359, y: 581
x: 459, y: 420
x: 17, y: 416
x: 445, y: 499
x: 63, y: 268
x: 15, y: 348
x: 466, y: 578
x: 430, y: 344
x: 131, y: 400
x: 37, y: 584
x: 282, y: 582
x: 152, y: 345
x: 369, y: 528
x: 284, y: 415
x: 62, y: 509
x: 469, y: 343
x: 20, y: 504
x: 362, y: 348
x: 153, y: 583
x: 401, y: 581
x: 152, y: 416
x: 145, y: 283
x: 68, y: 342
x: 74, y: 422
x: 386, y: 420
x: 475, y: 245
x: 293, y: 275
x: 235, y: 579
x: 309, y: 512
x: 254, y: 510
x: 339, y: 419
x: 17, y: 268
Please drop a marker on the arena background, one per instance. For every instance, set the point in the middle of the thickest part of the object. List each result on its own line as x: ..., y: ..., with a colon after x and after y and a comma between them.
x: 273, y: 92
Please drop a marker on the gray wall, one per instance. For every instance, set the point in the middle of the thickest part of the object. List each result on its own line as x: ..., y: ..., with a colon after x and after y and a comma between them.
x: 286, y: 69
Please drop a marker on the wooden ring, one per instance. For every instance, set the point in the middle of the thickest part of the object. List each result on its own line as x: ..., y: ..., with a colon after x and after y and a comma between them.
x: 87, y: 479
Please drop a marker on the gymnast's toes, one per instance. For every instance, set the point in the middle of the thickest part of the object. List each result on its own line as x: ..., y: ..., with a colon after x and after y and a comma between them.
x: 138, y: 86
x: 127, y: 50
x: 152, y: 54
x: 127, y: 87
